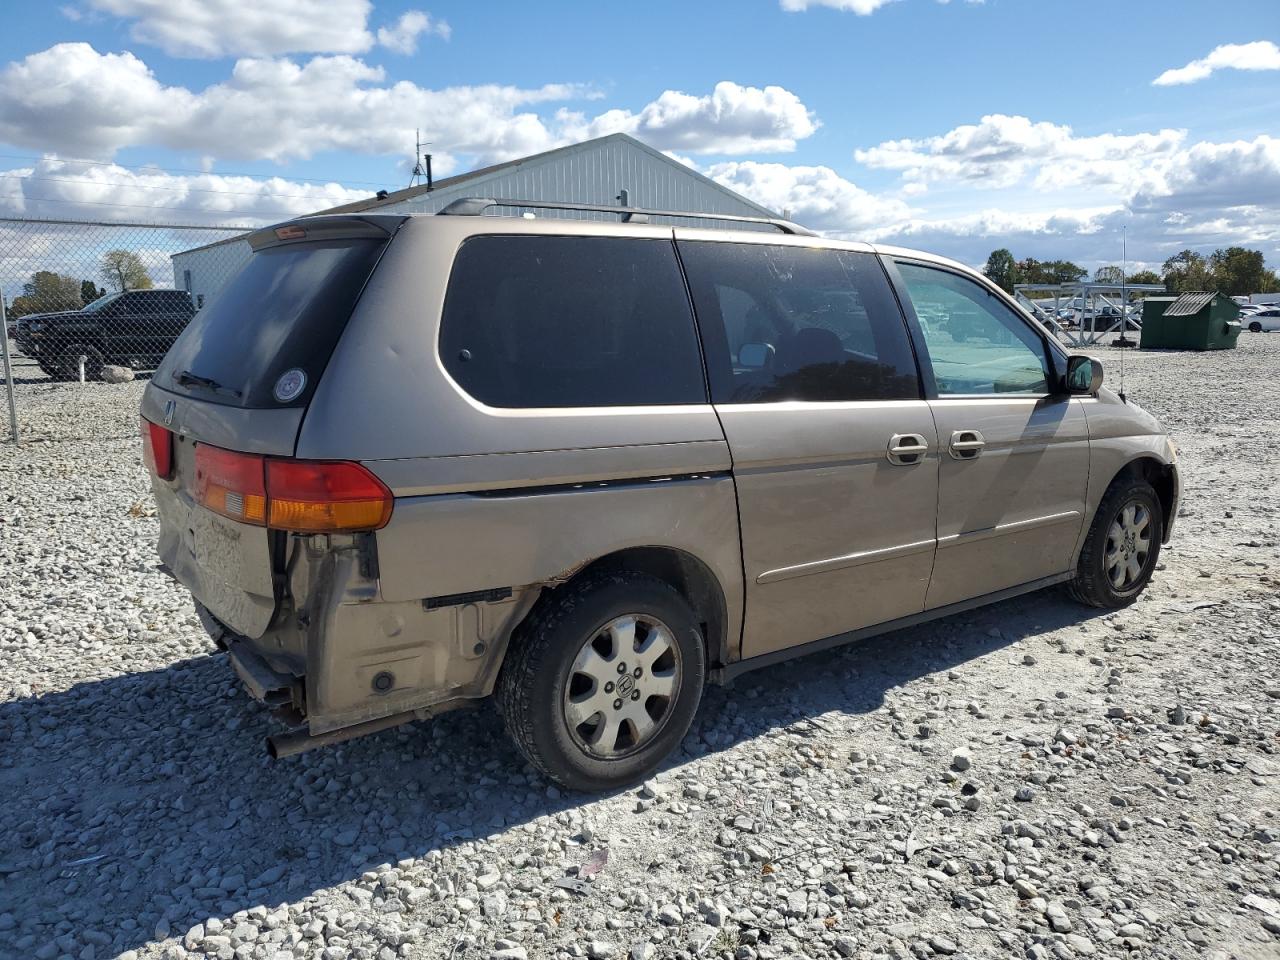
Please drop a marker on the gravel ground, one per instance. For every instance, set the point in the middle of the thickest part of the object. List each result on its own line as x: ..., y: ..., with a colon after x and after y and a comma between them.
x: 1032, y: 779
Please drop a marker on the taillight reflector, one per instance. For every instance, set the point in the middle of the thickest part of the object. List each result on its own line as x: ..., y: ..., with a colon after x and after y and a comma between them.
x: 299, y: 496
x: 157, y: 449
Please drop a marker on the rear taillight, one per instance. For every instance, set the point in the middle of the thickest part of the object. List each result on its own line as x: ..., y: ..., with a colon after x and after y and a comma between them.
x: 310, y: 497
x: 299, y: 496
x: 157, y: 449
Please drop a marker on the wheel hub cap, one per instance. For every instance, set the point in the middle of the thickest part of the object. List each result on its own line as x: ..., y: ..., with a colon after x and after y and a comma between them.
x: 1128, y: 545
x: 622, y: 686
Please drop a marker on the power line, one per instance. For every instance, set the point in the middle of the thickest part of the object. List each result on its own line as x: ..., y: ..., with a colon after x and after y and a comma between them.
x: 147, y: 166
x: 142, y: 186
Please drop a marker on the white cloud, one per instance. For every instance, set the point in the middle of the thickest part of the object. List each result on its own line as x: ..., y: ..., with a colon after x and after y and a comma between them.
x: 70, y: 99
x: 1259, y: 55
x: 815, y: 196
x: 219, y: 28
x: 54, y: 188
x: 1001, y: 150
x: 402, y: 37
x: 731, y: 119
x: 862, y: 8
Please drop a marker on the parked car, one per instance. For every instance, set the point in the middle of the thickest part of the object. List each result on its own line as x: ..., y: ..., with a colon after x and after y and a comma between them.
x: 132, y: 329
x: 408, y: 463
x: 1262, y: 321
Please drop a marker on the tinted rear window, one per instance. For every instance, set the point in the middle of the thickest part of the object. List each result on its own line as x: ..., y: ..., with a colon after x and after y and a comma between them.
x: 285, y: 309
x: 570, y: 322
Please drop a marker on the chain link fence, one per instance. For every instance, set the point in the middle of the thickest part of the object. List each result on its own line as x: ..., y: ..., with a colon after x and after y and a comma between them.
x: 90, y: 305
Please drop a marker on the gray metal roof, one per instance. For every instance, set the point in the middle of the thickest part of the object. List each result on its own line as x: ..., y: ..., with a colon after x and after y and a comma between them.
x: 1189, y: 304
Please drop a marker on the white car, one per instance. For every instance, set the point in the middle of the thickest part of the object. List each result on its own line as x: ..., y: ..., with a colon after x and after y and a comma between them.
x: 1262, y: 321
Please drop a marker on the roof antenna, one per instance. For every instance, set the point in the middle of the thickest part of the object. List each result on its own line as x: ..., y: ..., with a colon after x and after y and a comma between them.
x: 1124, y: 303
x: 421, y: 162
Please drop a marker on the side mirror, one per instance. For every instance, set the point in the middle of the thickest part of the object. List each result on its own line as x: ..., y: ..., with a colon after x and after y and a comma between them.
x: 1084, y: 374
x: 755, y: 356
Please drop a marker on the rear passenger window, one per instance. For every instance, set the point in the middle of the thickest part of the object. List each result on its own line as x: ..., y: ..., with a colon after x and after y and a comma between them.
x: 570, y: 322
x: 798, y: 323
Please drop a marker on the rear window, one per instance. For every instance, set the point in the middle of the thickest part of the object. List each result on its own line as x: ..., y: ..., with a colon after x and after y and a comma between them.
x: 570, y: 322
x: 284, y: 310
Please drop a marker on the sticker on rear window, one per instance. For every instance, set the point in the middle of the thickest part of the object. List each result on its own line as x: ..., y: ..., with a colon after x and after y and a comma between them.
x: 291, y: 383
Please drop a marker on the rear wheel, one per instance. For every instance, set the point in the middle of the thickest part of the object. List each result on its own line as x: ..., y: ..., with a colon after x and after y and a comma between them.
x: 604, y: 681
x: 1122, y: 547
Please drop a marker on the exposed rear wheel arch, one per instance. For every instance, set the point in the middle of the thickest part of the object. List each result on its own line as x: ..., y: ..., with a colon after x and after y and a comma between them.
x: 688, y: 575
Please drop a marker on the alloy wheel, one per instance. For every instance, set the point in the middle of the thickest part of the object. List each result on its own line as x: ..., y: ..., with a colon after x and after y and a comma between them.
x: 1128, y: 545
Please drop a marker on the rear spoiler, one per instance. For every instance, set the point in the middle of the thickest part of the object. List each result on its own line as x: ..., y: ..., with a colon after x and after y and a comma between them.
x: 378, y: 226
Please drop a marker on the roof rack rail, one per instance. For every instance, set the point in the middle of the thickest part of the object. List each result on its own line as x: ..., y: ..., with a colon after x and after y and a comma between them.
x: 475, y: 206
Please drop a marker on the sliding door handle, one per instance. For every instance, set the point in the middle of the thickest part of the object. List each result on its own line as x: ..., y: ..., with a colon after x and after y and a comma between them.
x: 966, y: 444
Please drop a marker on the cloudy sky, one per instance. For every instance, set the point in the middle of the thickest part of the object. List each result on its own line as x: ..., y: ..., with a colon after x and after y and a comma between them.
x: 1041, y: 125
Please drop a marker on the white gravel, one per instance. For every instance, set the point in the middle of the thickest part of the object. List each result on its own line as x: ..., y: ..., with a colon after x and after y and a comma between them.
x: 1032, y: 779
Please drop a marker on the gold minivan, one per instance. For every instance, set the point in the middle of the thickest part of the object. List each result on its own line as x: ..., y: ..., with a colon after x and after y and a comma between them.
x: 404, y: 463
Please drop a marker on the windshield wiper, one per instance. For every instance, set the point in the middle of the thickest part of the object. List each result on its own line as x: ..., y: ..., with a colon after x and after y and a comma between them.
x: 188, y: 379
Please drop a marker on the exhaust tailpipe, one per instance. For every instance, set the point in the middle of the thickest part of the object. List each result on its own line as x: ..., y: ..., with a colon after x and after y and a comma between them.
x: 299, y: 741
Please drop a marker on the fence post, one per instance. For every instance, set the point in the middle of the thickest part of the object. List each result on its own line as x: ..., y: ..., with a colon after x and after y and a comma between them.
x: 8, y: 372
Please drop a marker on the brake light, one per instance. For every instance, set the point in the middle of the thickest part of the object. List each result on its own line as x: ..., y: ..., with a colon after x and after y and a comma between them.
x: 300, y: 496
x: 232, y: 484
x: 157, y: 449
x: 311, y: 497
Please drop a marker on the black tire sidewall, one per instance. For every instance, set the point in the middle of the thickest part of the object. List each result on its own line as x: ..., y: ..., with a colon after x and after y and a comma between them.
x: 564, y: 634
x: 1107, y: 514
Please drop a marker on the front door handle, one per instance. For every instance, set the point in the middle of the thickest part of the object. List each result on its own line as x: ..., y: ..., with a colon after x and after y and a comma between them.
x: 906, y: 449
x: 966, y: 444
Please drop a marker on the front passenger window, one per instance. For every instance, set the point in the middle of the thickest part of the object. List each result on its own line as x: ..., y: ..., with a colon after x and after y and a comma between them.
x: 976, y: 343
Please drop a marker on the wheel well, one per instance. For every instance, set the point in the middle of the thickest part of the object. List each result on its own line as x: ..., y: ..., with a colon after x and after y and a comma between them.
x: 1159, y: 475
x: 689, y: 576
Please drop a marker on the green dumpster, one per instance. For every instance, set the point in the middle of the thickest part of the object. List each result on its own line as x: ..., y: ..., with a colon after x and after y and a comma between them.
x: 1193, y: 321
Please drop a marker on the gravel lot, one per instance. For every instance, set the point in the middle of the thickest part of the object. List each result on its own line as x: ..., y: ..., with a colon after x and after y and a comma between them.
x: 1032, y: 779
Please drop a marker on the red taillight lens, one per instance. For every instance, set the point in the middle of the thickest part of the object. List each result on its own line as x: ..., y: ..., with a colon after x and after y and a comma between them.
x: 157, y: 449
x: 232, y: 484
x: 321, y: 497
x: 299, y: 496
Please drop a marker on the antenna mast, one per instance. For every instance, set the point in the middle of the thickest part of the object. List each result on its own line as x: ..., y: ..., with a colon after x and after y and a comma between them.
x: 421, y: 161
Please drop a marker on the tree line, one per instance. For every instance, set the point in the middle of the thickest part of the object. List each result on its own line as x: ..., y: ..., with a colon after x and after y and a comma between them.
x: 1234, y: 271
x: 50, y: 292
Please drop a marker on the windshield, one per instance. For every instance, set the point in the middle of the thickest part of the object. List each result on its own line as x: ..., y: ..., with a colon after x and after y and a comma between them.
x: 101, y: 302
x: 284, y: 311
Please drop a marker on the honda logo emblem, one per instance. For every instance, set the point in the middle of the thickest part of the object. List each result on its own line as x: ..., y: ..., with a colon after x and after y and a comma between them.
x: 169, y: 407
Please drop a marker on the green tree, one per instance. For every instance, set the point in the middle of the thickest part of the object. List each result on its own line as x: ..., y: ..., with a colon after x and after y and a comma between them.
x: 1108, y: 274
x: 1270, y: 283
x: 89, y: 291
x: 1002, y: 269
x: 46, y: 292
x: 125, y: 270
x: 1064, y: 271
x: 1144, y: 276
x: 1236, y: 270
x: 1186, y: 272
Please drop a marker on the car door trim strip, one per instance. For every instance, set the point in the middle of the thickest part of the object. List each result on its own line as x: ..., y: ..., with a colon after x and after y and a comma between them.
x: 1002, y: 529
x: 846, y: 561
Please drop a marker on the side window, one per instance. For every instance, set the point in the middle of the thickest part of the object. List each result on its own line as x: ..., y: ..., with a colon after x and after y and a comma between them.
x: 570, y: 322
x: 797, y: 323
x: 976, y: 344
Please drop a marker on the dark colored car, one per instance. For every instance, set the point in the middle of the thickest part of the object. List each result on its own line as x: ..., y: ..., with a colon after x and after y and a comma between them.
x: 132, y: 329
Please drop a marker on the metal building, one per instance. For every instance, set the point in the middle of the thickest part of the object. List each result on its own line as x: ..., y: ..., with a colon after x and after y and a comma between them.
x: 601, y: 171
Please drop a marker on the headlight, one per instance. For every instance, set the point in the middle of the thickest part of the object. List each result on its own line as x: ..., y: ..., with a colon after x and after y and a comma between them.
x: 35, y: 326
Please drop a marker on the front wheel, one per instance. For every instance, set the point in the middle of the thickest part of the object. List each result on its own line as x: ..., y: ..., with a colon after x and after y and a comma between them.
x: 1122, y: 547
x: 604, y: 681
x: 1255, y: 327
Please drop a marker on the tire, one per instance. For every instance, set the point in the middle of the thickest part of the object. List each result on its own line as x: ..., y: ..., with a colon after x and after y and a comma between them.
x: 93, y: 362
x: 547, y: 680
x: 1255, y: 327
x: 1104, y: 577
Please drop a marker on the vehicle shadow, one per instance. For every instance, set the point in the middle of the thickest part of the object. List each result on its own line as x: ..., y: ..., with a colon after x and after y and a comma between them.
x: 147, y: 799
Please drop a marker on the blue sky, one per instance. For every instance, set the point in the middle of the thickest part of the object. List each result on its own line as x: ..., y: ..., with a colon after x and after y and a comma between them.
x: 958, y: 126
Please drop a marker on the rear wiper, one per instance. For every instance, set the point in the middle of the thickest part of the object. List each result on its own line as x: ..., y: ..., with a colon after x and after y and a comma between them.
x: 188, y: 379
